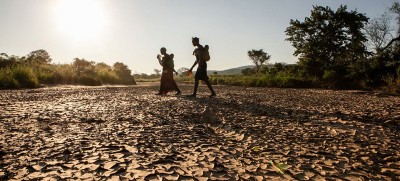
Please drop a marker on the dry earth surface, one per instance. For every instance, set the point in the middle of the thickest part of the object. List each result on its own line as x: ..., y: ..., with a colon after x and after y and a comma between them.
x: 128, y: 133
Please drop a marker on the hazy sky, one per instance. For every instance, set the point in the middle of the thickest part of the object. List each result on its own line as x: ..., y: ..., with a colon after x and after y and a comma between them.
x: 133, y: 31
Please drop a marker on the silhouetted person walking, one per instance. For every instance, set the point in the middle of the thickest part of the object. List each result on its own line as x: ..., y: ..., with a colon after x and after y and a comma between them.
x: 201, y: 73
x: 167, y: 77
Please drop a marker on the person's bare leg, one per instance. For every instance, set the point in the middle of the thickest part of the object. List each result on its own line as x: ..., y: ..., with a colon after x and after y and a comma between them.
x: 213, y: 94
x: 196, y: 86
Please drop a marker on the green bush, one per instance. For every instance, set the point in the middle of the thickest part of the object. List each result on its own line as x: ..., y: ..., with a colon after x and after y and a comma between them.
x: 6, y: 80
x: 89, y: 80
x: 18, y: 77
x: 108, y: 77
x: 329, y: 75
x: 263, y: 81
x: 292, y: 82
x: 66, y: 74
x: 249, y: 81
x: 48, y: 77
x: 25, y: 77
x: 266, y: 80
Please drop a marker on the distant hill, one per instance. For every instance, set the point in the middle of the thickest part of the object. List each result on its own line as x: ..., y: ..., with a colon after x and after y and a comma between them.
x: 231, y: 71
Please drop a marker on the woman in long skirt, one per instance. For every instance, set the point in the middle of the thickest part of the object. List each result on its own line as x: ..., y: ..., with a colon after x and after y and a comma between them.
x: 167, y: 77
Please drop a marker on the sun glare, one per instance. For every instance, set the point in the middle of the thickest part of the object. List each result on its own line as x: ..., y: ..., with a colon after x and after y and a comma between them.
x: 80, y: 19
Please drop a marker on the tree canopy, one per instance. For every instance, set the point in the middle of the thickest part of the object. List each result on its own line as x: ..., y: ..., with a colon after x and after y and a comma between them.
x: 259, y: 58
x: 328, y: 39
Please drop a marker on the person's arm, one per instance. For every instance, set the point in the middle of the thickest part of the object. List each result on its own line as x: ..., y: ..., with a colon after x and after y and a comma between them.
x: 195, y: 63
x: 159, y: 59
x: 197, y: 59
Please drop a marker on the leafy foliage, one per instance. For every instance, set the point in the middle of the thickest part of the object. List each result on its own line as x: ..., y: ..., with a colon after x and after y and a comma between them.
x: 36, y: 68
x: 328, y: 40
x: 18, y: 77
x: 266, y: 80
x: 123, y: 73
x: 259, y: 58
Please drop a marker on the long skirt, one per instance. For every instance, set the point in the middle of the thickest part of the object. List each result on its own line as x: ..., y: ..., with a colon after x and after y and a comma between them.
x: 167, y: 82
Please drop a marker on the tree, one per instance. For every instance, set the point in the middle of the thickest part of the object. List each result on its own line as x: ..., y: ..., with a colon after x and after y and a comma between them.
x: 6, y: 60
x: 385, y: 64
x: 157, y: 72
x: 85, y: 72
x: 124, y: 73
x: 3, y: 56
x: 39, y: 57
x: 106, y: 73
x: 82, y: 66
x: 378, y: 31
x: 259, y: 58
x: 328, y: 40
x: 396, y: 10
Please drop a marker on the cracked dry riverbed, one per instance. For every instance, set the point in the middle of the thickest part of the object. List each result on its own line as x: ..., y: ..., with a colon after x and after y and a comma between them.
x: 128, y: 133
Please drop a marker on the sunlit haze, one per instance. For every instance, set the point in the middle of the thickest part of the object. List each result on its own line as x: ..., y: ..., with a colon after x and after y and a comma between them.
x: 133, y: 31
x: 80, y: 19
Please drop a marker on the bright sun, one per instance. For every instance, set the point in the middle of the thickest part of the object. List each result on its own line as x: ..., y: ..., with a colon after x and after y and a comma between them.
x: 80, y: 19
